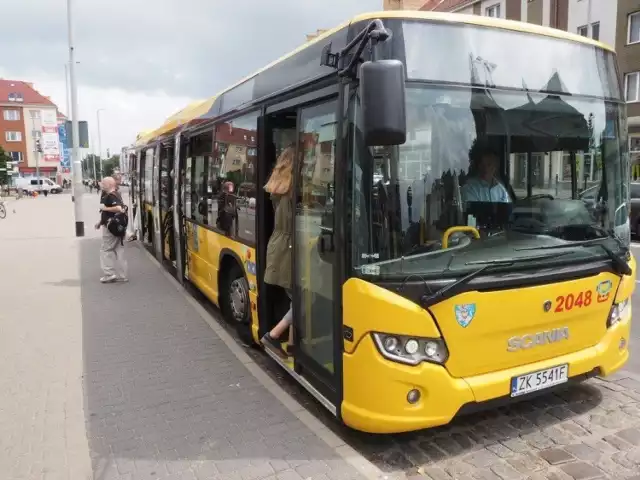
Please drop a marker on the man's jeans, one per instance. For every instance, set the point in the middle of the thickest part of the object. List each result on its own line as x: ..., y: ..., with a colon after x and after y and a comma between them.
x: 112, y: 255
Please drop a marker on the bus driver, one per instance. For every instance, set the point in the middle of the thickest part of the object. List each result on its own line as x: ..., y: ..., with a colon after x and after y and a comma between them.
x: 484, y: 185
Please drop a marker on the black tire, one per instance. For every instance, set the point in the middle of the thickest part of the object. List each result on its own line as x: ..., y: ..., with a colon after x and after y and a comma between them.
x: 236, y: 303
x: 3, y: 212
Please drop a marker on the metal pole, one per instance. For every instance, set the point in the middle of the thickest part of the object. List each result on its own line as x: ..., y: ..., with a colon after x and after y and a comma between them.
x: 66, y: 91
x: 36, y: 142
x: 100, y: 142
x: 76, y: 167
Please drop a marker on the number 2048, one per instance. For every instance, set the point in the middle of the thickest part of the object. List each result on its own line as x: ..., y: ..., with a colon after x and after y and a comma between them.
x: 571, y: 301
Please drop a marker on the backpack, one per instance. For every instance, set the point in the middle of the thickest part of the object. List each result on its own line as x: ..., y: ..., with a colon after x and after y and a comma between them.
x: 118, y: 224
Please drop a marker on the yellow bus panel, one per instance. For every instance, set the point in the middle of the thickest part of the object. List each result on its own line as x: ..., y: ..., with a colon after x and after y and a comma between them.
x: 479, y: 367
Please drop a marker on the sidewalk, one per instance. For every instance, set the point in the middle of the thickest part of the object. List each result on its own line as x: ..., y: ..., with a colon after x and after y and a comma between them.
x: 127, y: 381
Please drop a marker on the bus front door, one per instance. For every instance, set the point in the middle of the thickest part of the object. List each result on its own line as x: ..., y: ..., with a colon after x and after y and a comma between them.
x: 313, y: 262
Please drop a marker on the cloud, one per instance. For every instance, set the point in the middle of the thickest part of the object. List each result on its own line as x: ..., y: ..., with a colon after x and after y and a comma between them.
x: 142, y: 60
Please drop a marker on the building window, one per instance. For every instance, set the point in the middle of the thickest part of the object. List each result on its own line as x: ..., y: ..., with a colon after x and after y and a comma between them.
x: 15, y: 156
x: 493, y: 11
x: 595, y: 31
x: 15, y: 97
x: 583, y: 30
x: 631, y: 86
x: 633, y: 28
x: 11, y: 115
x: 35, y: 114
x: 13, y: 136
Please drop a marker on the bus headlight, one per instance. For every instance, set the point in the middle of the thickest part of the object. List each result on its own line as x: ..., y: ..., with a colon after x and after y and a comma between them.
x: 618, y: 312
x: 411, y: 350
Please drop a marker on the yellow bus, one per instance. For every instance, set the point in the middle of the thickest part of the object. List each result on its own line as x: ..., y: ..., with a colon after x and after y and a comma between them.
x: 444, y: 259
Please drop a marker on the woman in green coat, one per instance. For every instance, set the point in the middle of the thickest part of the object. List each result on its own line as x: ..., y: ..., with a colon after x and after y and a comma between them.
x: 279, y: 248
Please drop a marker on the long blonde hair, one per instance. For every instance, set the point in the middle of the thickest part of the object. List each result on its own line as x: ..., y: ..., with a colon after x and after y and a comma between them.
x: 281, y: 177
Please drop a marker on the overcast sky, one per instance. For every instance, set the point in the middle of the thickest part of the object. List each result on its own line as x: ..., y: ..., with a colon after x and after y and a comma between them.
x: 142, y: 60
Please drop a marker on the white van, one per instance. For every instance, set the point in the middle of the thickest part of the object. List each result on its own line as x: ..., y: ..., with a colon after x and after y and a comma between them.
x: 31, y: 185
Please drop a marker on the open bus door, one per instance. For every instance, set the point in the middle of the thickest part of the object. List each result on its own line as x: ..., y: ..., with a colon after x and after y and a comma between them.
x: 166, y: 203
x: 179, y: 233
x: 312, y: 131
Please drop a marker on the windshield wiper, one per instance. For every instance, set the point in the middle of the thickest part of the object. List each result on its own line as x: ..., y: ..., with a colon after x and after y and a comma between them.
x: 619, y: 264
x: 432, y: 299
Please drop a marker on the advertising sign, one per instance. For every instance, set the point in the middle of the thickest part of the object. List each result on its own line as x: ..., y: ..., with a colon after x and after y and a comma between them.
x: 50, y: 140
x: 65, y: 159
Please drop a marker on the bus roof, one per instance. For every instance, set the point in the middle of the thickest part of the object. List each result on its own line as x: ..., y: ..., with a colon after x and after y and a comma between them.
x: 438, y: 16
x: 201, y: 108
x: 191, y: 112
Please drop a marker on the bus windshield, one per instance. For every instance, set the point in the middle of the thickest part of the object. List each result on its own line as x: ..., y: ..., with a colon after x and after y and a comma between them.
x: 525, y: 169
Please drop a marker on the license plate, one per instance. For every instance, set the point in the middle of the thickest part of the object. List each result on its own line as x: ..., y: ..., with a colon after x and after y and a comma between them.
x: 532, y: 382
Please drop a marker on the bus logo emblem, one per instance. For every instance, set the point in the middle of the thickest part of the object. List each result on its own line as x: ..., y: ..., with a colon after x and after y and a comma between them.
x: 465, y: 313
x: 547, y: 306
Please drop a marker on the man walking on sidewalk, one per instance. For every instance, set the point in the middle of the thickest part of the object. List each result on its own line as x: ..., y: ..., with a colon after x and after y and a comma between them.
x: 112, y: 261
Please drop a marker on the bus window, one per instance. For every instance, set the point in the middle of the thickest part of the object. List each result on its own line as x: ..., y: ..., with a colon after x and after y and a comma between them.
x: 314, y: 224
x: 553, y: 158
x: 201, y: 154
x: 233, y: 177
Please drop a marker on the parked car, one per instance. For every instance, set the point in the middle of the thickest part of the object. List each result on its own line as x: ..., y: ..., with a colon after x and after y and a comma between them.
x: 31, y: 185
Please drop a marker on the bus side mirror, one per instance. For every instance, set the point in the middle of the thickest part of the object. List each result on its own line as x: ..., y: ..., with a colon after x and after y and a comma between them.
x: 382, y: 93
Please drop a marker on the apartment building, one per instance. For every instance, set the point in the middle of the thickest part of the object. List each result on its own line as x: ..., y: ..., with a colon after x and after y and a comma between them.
x: 28, y: 116
x: 549, y: 13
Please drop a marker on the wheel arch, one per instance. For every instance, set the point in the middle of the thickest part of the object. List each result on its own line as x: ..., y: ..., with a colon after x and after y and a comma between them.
x: 227, y: 259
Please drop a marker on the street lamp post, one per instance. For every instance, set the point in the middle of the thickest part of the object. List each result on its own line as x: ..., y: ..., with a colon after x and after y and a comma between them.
x: 66, y: 91
x: 100, y: 141
x: 76, y: 168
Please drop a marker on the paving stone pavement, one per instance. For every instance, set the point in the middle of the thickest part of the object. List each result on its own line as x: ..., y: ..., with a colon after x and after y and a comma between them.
x: 589, y: 431
x: 128, y: 382
x: 42, y: 423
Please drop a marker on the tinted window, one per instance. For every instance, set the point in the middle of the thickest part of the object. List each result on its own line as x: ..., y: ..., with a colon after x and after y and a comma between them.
x: 233, y: 177
x: 506, y: 165
x: 494, y: 57
x: 198, y: 164
x: 148, y: 176
x: 635, y: 190
x: 166, y: 165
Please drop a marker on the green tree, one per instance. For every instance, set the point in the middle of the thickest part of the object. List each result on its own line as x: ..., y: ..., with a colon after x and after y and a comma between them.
x: 4, y: 167
x: 110, y: 165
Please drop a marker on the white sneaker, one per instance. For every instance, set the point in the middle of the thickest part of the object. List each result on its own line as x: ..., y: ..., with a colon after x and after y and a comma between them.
x: 122, y: 279
x: 109, y: 279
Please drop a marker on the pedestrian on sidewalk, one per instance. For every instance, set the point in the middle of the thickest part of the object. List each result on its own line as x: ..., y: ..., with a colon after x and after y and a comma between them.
x: 112, y: 261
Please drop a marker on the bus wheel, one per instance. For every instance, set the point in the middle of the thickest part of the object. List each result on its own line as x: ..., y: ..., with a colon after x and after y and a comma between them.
x: 237, y: 305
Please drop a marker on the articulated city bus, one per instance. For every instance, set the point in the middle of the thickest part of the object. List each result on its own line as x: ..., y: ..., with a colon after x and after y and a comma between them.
x: 444, y: 257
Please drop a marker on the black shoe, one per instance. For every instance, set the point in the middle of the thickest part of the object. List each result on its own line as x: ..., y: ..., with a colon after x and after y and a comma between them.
x: 273, y: 345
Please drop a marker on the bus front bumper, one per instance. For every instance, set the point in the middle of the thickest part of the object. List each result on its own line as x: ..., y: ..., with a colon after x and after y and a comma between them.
x: 376, y: 390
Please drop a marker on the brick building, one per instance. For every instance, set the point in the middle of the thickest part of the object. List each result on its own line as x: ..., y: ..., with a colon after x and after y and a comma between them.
x: 27, y: 116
